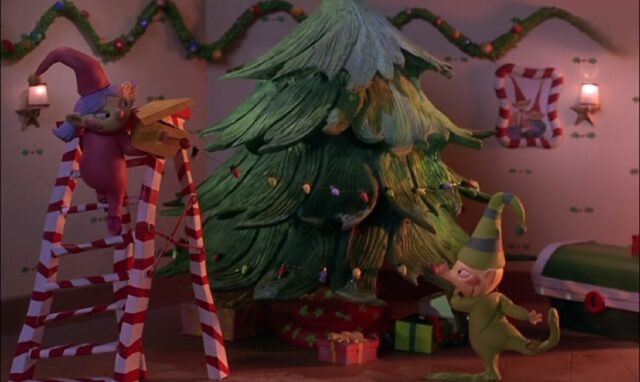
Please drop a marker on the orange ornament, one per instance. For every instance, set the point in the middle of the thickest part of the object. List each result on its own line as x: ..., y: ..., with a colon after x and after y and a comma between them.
x: 296, y: 11
x: 455, y: 34
x: 216, y: 55
x: 486, y: 47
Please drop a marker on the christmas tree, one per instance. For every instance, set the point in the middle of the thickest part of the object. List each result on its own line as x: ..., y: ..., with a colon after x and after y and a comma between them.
x: 337, y: 166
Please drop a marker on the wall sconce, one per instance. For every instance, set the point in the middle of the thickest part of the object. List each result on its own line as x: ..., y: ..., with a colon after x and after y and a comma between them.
x: 588, y: 103
x: 37, y: 98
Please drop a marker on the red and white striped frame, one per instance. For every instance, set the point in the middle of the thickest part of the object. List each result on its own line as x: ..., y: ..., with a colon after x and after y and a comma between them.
x: 23, y: 366
x: 505, y: 106
x: 129, y: 364
x: 216, y: 355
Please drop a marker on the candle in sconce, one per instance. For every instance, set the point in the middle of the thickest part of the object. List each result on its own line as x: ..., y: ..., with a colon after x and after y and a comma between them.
x: 37, y: 96
x: 589, y: 94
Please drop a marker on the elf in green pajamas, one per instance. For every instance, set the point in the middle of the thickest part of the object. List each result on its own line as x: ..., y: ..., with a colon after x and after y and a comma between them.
x: 475, y: 276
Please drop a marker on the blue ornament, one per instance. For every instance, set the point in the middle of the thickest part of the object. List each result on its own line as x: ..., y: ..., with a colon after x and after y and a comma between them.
x: 193, y: 47
x: 58, y: 6
x: 446, y: 186
x: 144, y: 23
x: 36, y: 36
x: 335, y: 191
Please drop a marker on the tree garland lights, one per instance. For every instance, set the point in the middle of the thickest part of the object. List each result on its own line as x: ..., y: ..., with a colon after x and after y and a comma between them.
x: 214, y: 51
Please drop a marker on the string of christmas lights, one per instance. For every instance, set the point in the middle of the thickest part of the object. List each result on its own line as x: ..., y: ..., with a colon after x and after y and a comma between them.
x: 215, y: 51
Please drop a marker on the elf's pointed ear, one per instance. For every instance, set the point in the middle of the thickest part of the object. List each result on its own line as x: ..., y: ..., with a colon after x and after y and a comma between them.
x: 489, y: 274
x: 75, y: 119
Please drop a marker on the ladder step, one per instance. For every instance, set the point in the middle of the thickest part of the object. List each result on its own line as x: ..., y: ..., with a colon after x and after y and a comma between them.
x: 94, y: 206
x: 86, y: 281
x: 72, y: 248
x: 73, y: 350
x: 83, y: 312
x: 82, y: 379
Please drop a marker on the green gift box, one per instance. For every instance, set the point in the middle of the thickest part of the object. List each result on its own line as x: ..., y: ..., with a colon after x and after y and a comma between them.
x: 416, y: 335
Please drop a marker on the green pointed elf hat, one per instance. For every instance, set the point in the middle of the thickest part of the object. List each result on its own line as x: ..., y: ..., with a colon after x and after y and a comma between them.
x: 484, y: 248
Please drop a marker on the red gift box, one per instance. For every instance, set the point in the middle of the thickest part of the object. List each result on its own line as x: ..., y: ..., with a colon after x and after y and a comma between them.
x: 348, y: 353
x: 298, y: 335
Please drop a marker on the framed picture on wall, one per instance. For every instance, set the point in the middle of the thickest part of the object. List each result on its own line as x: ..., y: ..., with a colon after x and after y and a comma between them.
x: 528, y: 99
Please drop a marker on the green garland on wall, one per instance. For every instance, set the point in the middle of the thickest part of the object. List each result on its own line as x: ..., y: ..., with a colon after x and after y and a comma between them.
x: 214, y: 51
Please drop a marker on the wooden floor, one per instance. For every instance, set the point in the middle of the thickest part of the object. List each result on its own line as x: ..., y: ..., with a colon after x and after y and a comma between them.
x: 174, y: 357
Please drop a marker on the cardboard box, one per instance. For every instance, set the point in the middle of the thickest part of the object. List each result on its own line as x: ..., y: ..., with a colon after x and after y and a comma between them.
x: 246, y: 320
x: 344, y: 353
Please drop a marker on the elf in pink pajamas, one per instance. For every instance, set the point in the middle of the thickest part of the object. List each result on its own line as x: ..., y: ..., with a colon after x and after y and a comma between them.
x: 100, y: 119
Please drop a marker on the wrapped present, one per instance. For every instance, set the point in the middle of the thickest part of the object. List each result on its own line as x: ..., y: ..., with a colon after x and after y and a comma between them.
x: 245, y: 320
x: 297, y: 335
x: 421, y: 334
x: 327, y: 312
x: 347, y: 348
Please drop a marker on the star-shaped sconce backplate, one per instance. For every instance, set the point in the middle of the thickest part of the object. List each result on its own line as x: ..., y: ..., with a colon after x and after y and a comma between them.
x: 29, y: 116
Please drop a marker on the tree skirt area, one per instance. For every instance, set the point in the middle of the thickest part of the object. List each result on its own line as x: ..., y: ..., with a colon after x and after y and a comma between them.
x: 174, y: 357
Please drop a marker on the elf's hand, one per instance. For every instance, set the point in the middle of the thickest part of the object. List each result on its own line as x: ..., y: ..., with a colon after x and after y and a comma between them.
x: 535, y: 317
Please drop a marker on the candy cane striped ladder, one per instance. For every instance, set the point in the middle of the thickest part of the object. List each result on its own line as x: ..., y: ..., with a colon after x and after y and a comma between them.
x: 132, y: 273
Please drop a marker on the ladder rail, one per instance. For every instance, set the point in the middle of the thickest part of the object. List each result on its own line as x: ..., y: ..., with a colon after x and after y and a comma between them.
x: 22, y: 366
x: 129, y: 357
x: 215, y: 353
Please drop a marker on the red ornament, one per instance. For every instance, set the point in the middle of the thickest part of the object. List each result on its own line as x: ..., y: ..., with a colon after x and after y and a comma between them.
x: 8, y: 45
x: 364, y: 196
x: 255, y: 10
x: 456, y: 34
x: 84, y: 14
x: 217, y: 257
x: 282, y: 271
x: 486, y: 47
x: 437, y: 21
x: 516, y: 28
x: 235, y: 171
x: 118, y: 44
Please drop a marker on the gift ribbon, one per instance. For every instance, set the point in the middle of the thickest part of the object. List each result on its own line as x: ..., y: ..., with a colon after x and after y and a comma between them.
x: 347, y: 337
x: 412, y: 336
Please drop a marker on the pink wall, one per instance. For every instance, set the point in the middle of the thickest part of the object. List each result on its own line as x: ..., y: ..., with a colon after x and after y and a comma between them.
x: 582, y: 172
x: 157, y: 64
